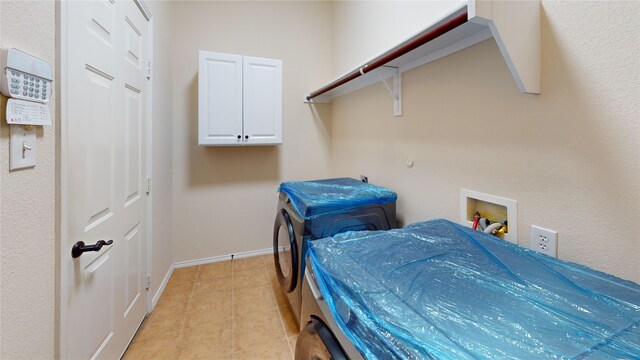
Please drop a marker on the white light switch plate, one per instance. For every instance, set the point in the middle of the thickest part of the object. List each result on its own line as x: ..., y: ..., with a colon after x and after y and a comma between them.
x: 22, y: 147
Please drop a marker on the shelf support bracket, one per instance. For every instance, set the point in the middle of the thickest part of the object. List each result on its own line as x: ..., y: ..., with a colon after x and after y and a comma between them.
x: 395, y: 91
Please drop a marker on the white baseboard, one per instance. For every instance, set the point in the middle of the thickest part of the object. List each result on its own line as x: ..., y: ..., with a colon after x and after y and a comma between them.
x: 214, y: 259
x: 163, y: 285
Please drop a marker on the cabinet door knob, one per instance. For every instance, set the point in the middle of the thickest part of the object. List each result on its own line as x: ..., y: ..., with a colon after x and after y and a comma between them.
x: 239, y: 137
x: 246, y: 136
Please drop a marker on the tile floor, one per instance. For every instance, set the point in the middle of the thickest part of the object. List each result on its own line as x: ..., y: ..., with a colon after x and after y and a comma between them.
x: 225, y: 310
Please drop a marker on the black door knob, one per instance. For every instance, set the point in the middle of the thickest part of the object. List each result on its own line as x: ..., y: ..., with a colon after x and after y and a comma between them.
x: 239, y: 137
x: 79, y: 248
x: 246, y: 136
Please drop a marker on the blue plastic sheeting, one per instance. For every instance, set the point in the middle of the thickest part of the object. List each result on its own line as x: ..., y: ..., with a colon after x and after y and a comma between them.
x: 440, y: 290
x: 315, y: 198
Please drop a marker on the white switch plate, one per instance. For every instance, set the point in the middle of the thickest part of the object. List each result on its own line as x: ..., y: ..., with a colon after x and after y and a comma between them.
x: 22, y: 138
x: 544, y: 241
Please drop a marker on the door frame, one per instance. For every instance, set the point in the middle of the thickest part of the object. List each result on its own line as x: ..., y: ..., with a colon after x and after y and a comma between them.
x: 62, y: 191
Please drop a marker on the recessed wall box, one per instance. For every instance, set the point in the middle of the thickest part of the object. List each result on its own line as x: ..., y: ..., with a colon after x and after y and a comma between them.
x: 494, y: 208
x: 25, y: 76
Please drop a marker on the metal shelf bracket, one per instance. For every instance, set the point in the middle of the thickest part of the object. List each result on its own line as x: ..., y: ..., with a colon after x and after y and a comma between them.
x: 395, y: 91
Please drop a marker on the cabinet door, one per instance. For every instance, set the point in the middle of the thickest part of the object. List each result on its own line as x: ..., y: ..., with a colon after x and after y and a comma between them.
x: 219, y: 99
x: 262, y: 101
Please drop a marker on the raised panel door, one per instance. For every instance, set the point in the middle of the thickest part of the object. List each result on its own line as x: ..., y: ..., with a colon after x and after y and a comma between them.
x: 219, y: 99
x: 262, y: 101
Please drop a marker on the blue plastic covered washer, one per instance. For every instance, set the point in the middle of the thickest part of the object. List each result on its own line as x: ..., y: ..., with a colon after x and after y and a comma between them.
x: 438, y: 290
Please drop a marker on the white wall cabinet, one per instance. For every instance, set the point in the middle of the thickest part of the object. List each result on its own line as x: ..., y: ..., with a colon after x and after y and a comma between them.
x: 239, y: 100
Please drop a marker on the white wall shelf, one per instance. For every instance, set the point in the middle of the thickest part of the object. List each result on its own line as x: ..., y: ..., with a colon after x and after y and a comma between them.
x: 515, y: 25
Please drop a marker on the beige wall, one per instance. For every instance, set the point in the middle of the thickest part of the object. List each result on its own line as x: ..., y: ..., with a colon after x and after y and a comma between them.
x: 162, y: 147
x: 27, y: 206
x: 225, y: 197
x: 569, y: 156
x: 365, y: 29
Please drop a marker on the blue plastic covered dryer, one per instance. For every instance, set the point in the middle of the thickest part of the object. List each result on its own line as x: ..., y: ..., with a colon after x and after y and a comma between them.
x: 438, y: 290
x: 312, y: 199
x: 309, y: 210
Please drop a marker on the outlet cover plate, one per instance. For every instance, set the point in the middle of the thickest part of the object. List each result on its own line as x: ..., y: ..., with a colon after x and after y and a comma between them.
x: 544, y: 241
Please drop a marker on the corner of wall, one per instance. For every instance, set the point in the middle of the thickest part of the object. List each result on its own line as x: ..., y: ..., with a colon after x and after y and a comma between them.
x: 161, y: 150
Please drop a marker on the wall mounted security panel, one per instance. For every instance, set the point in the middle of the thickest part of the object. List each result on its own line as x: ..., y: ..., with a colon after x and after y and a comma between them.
x: 25, y: 76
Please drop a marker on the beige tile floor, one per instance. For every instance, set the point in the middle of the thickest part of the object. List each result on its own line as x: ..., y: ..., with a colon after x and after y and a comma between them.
x: 225, y: 310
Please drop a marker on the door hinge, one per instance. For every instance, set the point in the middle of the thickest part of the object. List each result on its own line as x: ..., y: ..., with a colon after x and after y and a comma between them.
x: 148, y: 186
x: 149, y: 70
x: 148, y: 286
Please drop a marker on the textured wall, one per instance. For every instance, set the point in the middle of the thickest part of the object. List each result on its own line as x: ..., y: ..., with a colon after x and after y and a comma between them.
x: 569, y: 156
x: 27, y: 206
x: 225, y: 197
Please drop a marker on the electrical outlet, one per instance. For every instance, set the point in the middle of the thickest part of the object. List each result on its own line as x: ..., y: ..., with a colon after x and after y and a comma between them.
x: 544, y: 241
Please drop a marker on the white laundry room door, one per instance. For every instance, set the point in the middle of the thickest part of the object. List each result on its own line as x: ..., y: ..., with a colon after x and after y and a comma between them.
x: 104, y: 63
